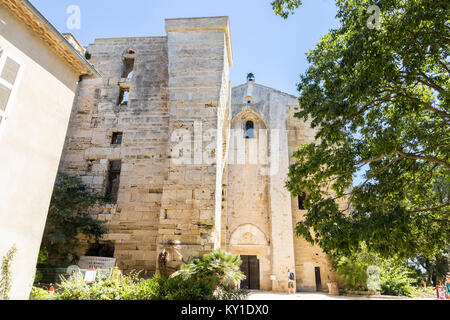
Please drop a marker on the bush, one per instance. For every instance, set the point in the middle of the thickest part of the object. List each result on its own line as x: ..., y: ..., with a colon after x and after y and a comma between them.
x: 130, y: 288
x: 214, y: 277
x: 217, y: 268
x: 68, y: 217
x: 231, y: 293
x: 41, y: 294
x: 352, y: 273
x: 395, y: 281
x: 180, y: 288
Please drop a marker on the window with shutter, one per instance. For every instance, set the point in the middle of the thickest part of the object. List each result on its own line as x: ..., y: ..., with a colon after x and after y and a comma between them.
x: 10, y: 71
x: 4, y: 96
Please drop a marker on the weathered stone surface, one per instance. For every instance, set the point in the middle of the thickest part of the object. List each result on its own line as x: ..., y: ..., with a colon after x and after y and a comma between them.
x: 230, y: 193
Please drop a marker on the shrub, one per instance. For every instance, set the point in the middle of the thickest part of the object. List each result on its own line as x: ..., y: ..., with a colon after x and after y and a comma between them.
x: 180, y: 288
x: 127, y: 288
x: 68, y: 217
x: 352, y: 273
x: 217, y: 268
x: 213, y: 277
x: 115, y: 287
x: 395, y: 280
x: 231, y: 293
x: 41, y: 294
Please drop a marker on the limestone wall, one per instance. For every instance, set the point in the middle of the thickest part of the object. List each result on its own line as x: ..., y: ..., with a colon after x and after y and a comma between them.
x: 256, y: 193
x: 199, y: 61
x: 247, y: 216
x: 144, y: 121
x: 307, y: 257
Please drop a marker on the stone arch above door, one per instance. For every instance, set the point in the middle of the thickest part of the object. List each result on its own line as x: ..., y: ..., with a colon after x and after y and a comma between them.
x: 248, y: 235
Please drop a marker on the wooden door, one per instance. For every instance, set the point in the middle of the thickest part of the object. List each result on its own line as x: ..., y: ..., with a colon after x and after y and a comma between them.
x: 245, y: 284
x: 250, y: 268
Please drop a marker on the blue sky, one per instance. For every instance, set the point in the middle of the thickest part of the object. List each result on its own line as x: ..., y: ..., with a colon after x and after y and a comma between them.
x: 272, y: 48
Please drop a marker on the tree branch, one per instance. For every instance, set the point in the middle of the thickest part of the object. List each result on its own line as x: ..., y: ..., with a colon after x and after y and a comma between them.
x: 430, y: 209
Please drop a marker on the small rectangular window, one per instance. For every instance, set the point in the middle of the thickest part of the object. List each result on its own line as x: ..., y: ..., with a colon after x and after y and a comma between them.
x: 117, y: 138
x: 123, y: 96
x: 249, y: 130
x: 112, y: 188
x: 89, y: 166
x: 127, y: 68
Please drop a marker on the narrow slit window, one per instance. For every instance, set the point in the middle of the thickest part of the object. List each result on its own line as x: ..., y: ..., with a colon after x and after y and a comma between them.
x: 123, y: 96
x: 112, y: 188
x: 249, y: 130
x: 128, y: 66
x: 89, y: 167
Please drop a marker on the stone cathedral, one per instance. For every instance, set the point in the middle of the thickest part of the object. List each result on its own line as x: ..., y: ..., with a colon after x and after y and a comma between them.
x: 190, y: 163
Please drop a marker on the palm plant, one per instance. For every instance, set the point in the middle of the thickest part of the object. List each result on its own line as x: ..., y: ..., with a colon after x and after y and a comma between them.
x: 218, y: 268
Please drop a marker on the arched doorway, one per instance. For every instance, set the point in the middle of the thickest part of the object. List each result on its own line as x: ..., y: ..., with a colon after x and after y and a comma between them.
x: 251, y: 244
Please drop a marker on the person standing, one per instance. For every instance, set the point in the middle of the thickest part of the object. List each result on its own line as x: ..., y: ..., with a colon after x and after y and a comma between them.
x: 447, y: 287
x: 291, y: 282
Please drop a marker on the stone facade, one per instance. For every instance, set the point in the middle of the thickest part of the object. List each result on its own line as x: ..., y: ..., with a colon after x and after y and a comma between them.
x: 202, y: 165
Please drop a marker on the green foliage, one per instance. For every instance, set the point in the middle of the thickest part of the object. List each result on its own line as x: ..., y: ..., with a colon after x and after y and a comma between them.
x: 120, y: 287
x: 352, y: 273
x: 180, y: 288
x: 435, y: 268
x: 5, y: 274
x: 379, y: 99
x: 365, y: 270
x: 352, y: 269
x: 41, y: 294
x: 116, y: 287
x: 420, y: 292
x: 231, y: 293
x: 284, y: 8
x: 68, y: 217
x: 395, y: 280
x: 217, y: 268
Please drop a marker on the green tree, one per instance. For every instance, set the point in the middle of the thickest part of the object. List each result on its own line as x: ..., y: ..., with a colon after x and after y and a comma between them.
x: 69, y: 217
x: 435, y: 269
x: 377, y: 91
